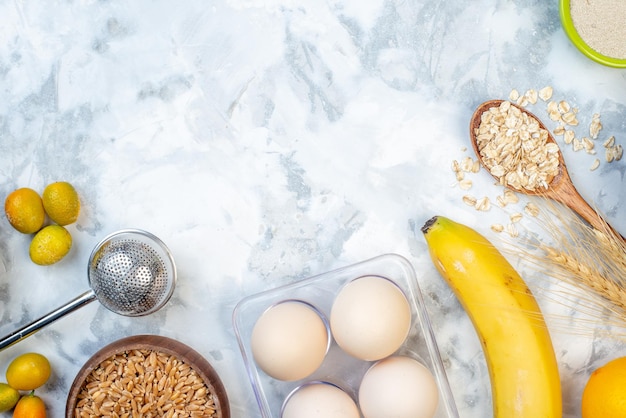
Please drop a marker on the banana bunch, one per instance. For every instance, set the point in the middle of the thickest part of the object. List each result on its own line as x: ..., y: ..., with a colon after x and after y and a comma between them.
x: 524, y: 374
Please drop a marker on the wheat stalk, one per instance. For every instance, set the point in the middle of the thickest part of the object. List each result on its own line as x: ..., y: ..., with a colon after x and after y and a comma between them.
x: 580, y: 273
x: 588, y: 268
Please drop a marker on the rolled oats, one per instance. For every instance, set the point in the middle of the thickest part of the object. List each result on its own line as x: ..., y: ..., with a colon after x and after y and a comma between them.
x: 531, y: 96
x: 531, y: 209
x: 469, y: 200
x: 545, y: 93
x: 609, y: 142
x: 510, y: 196
x: 465, y: 184
x: 587, y: 144
x: 577, y: 144
x: 570, y: 118
x: 483, y: 204
x: 559, y: 130
x: 595, y: 127
x: 553, y: 107
x: 619, y: 151
x: 515, y: 149
x: 467, y: 164
x: 555, y: 115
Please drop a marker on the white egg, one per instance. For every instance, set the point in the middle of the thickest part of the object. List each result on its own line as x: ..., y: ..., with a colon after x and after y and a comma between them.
x: 370, y: 318
x: 320, y: 400
x: 399, y: 387
x: 289, y: 340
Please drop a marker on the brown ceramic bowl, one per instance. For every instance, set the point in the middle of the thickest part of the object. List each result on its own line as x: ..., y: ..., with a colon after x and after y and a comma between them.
x: 159, y: 344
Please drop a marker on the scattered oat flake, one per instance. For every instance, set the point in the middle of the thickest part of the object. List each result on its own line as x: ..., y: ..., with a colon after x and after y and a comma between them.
x: 465, y: 184
x: 555, y: 115
x: 469, y: 200
x: 595, y: 127
x: 568, y: 136
x: 609, y: 155
x: 553, y: 107
x: 559, y: 130
x: 497, y: 227
x: 514, y: 95
x: 522, y: 101
x: 570, y: 118
x: 545, y: 93
x: 467, y: 164
x: 516, y: 217
x: 531, y: 95
x: 510, y: 196
x: 531, y: 209
x: 564, y: 107
x: 595, y: 164
x: 577, y: 144
x: 609, y: 142
x: 483, y: 204
x: 587, y: 143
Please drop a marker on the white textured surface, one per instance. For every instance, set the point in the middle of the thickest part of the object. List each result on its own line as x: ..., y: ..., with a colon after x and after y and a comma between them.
x: 267, y: 141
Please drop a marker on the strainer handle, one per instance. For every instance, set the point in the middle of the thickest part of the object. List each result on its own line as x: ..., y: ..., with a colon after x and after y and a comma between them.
x: 37, y: 324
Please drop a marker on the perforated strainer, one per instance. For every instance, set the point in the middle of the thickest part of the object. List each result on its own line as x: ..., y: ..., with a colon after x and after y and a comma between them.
x: 131, y: 272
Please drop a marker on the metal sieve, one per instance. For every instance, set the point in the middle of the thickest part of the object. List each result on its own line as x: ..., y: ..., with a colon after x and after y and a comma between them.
x: 131, y: 272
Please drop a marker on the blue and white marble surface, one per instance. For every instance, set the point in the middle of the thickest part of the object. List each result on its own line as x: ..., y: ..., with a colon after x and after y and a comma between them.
x: 265, y: 141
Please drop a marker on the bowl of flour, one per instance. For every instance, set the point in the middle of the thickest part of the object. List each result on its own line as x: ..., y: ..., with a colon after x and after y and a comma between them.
x: 597, y: 28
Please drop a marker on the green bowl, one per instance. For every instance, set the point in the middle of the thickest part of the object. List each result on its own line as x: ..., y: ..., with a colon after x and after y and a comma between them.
x: 570, y: 30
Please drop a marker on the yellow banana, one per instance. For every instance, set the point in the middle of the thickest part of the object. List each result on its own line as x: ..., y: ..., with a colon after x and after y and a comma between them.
x: 524, y: 373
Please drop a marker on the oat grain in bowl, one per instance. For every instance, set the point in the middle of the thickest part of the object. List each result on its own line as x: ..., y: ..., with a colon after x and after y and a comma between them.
x: 144, y: 383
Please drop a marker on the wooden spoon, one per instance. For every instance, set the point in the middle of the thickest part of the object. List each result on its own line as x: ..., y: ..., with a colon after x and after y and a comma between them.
x: 560, y: 189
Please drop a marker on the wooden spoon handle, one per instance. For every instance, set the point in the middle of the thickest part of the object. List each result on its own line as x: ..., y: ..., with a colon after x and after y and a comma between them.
x: 569, y: 196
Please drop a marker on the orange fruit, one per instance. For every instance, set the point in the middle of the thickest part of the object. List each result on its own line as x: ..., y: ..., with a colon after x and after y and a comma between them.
x: 24, y: 210
x: 604, y: 395
x: 8, y: 397
x: 28, y: 371
x: 50, y: 245
x: 61, y: 203
x: 30, y: 406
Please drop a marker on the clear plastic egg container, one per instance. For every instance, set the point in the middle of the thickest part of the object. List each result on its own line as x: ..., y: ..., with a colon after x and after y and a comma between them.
x: 339, y: 368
